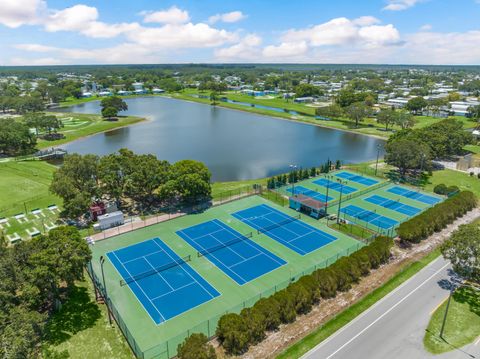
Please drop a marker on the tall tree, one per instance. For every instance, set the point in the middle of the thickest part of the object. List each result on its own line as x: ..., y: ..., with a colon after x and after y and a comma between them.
x: 407, y: 154
x: 416, y: 105
x: 76, y: 182
x: 357, y: 112
x: 386, y: 117
x: 463, y: 250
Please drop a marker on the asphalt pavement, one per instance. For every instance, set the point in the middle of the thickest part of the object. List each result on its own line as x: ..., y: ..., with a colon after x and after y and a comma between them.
x: 395, y: 326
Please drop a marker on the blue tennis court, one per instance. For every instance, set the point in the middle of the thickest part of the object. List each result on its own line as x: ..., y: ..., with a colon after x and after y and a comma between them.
x: 356, y: 178
x: 334, y: 186
x: 289, y: 231
x: 417, y: 196
x: 163, y: 282
x: 310, y: 193
x: 236, y: 255
x: 393, y: 205
x: 369, y: 217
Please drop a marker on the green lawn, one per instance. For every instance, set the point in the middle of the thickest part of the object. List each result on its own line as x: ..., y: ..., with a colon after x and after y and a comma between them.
x: 473, y: 148
x: 81, y: 328
x: 449, y: 177
x: 223, y: 189
x: 25, y: 184
x: 80, y: 125
x: 462, y: 326
x: 330, y: 327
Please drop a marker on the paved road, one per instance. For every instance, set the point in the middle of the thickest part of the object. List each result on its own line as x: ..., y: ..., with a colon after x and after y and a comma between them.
x: 395, y: 326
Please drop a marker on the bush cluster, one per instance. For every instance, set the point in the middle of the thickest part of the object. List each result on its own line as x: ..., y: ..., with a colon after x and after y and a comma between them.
x: 236, y: 332
x: 442, y: 189
x: 436, y: 218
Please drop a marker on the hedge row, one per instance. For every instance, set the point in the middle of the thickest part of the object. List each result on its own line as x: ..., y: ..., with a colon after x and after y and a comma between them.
x: 436, y: 218
x: 236, y: 332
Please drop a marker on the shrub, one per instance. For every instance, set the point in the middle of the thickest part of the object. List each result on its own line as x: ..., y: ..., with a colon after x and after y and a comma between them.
x: 440, y: 189
x: 436, y: 218
x: 270, y: 309
x: 233, y: 333
x: 196, y: 347
x: 452, y: 189
x: 237, y: 331
x: 254, y: 322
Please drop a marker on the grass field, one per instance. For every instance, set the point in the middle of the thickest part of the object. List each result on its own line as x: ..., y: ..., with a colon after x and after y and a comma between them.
x: 81, y: 125
x: 454, y: 178
x: 81, y: 328
x: 330, y: 327
x: 233, y: 296
x: 25, y: 184
x: 462, y: 326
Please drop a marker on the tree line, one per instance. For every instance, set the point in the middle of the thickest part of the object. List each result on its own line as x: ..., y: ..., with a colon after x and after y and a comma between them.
x: 139, y: 182
x: 35, y: 277
x: 236, y: 332
x: 301, y: 174
x: 413, y: 149
x: 437, y: 217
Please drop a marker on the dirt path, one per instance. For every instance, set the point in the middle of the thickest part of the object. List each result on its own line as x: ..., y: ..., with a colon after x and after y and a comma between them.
x: 288, y: 334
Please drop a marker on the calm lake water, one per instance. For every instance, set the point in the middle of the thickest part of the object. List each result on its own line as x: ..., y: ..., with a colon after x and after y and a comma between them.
x: 235, y: 145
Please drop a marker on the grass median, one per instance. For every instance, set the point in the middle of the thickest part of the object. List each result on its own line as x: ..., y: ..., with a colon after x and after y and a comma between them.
x: 336, y: 323
x: 462, y: 325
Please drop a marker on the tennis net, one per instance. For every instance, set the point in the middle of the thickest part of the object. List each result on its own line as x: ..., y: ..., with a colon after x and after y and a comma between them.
x: 279, y: 224
x: 229, y: 243
x: 164, y: 267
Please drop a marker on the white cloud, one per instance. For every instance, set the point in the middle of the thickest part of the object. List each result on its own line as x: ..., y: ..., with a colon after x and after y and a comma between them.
x: 35, y: 48
x: 441, y: 48
x: 399, y: 5
x: 83, y: 19
x: 376, y: 35
x: 366, y: 21
x: 246, y: 49
x: 174, y: 15
x: 181, y: 36
x: 342, y: 31
x: 43, y: 61
x: 15, y: 13
x: 285, y: 49
x: 426, y: 27
x: 230, y: 17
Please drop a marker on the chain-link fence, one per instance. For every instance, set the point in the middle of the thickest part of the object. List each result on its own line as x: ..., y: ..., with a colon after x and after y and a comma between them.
x: 168, y: 348
x: 132, y: 223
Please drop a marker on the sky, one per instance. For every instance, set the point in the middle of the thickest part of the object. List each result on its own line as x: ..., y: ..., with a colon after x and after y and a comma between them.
x: 57, y: 32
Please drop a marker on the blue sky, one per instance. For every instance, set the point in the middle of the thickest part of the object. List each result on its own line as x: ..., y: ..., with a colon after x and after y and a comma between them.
x: 43, y: 32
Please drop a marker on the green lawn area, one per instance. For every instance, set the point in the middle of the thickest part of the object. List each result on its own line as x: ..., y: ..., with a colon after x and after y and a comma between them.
x: 81, y: 328
x: 222, y: 189
x: 25, y: 184
x: 449, y: 177
x: 80, y: 125
x: 473, y: 148
x: 330, y: 327
x: 462, y: 326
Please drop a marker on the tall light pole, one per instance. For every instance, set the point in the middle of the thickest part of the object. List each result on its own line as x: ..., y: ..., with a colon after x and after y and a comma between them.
x: 102, y: 260
x: 293, y: 168
x: 328, y: 177
x: 340, y: 200
x: 378, y: 155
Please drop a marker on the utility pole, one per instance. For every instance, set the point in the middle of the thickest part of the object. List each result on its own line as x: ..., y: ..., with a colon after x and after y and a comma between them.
x: 340, y: 201
x: 294, y: 168
x: 102, y: 260
x: 378, y: 155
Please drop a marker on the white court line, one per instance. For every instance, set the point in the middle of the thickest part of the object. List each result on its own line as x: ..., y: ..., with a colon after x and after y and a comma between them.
x: 215, y: 264
x: 138, y: 286
x: 253, y: 246
x: 183, y: 269
x: 378, y: 318
x: 134, y: 259
x: 158, y: 273
x: 164, y: 294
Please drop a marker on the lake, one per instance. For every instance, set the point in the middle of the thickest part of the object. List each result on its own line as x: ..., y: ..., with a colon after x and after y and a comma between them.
x: 235, y: 145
